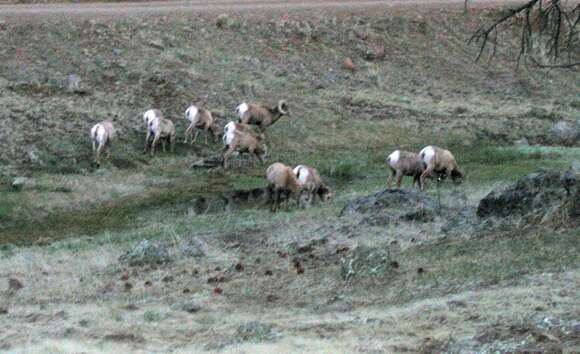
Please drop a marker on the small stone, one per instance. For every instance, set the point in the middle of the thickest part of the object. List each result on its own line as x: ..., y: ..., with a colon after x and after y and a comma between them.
x: 191, y: 307
x: 224, y: 21
x: 348, y: 64
x: 18, y: 183
x: 14, y: 284
x: 522, y: 142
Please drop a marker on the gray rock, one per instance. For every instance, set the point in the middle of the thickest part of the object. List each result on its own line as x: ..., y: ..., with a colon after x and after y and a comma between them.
x: 75, y: 85
x: 19, y: 183
x: 392, y: 205
x: 224, y: 21
x: 522, y: 142
x: 146, y: 253
x: 543, y: 196
x: 189, y: 307
x: 564, y: 132
x: 14, y: 284
x: 192, y: 248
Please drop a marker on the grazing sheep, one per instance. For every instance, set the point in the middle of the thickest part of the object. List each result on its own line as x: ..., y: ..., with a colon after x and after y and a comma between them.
x: 102, y: 135
x: 201, y: 119
x: 245, y: 142
x: 281, y: 180
x: 404, y: 163
x: 160, y: 128
x: 310, y: 182
x: 441, y: 162
x: 148, y: 117
x: 261, y: 115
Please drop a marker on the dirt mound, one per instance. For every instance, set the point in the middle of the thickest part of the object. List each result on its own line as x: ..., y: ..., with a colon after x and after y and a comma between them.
x: 548, y: 197
x: 392, y: 205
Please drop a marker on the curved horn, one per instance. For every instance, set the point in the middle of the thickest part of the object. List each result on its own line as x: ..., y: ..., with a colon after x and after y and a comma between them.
x: 281, y: 104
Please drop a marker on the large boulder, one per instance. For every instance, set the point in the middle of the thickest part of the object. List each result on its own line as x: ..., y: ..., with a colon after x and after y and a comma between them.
x: 565, y: 133
x: 549, y: 197
x: 392, y: 205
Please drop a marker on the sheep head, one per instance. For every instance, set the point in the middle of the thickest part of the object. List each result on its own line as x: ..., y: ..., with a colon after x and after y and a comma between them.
x: 457, y: 176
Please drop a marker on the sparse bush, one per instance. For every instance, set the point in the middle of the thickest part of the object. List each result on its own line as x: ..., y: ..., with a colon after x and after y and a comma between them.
x: 152, y: 316
x: 146, y: 253
x: 255, y: 332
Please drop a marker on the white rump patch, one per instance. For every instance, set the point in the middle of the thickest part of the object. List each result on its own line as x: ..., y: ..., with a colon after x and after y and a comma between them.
x: 98, y: 133
x: 148, y: 117
x: 241, y: 109
x: 427, y: 154
x: 394, y: 158
x: 302, y: 173
x: 191, y: 113
x: 229, y: 133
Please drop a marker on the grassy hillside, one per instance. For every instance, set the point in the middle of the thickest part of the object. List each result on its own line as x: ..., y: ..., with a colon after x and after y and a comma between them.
x: 451, y: 284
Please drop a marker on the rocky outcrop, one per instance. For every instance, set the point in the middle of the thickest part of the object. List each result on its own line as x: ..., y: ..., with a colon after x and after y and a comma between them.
x: 392, y: 205
x: 548, y: 197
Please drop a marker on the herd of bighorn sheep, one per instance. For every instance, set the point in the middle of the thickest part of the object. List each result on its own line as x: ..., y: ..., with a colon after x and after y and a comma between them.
x: 283, y: 181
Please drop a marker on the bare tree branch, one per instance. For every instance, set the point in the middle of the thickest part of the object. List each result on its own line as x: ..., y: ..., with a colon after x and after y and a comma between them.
x: 547, y: 25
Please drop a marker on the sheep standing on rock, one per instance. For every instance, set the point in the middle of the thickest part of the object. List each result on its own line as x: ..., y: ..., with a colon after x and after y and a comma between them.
x: 281, y: 180
x: 310, y: 182
x: 441, y: 162
x: 261, y: 115
x: 244, y: 142
x: 200, y: 118
x: 160, y: 128
x: 405, y: 163
x: 102, y: 134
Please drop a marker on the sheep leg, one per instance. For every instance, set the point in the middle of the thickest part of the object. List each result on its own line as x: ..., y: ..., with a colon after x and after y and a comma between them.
x: 399, y: 179
x: 147, y: 140
x: 416, y: 180
x: 155, y: 141
x: 205, y: 133
x: 109, y: 149
x: 172, y: 138
x: 214, y: 134
x: 275, y: 200
x: 195, y: 136
x: 424, y: 175
x: 99, y: 150
x: 390, y: 179
x: 226, y: 157
x: 188, y: 132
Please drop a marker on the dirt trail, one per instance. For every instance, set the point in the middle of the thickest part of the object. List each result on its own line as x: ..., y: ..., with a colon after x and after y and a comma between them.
x: 10, y: 11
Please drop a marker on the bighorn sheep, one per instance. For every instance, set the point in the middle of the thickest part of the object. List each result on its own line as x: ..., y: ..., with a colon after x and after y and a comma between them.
x: 404, y: 163
x: 245, y: 142
x: 102, y: 135
x: 439, y: 161
x: 160, y: 128
x: 261, y: 115
x: 201, y: 119
x: 310, y: 182
x: 281, y: 180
